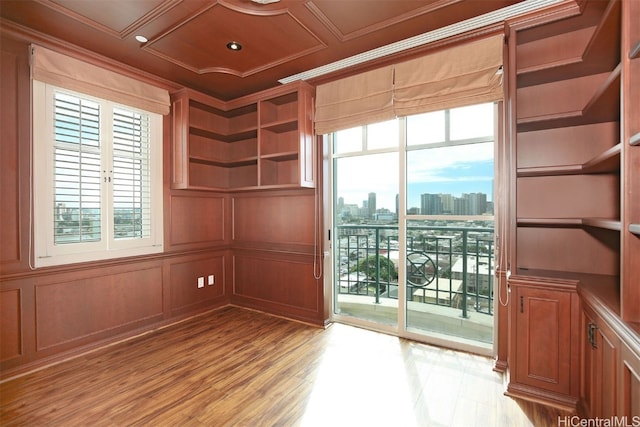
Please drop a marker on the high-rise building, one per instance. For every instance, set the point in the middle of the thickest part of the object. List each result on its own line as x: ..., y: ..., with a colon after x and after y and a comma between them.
x: 477, y: 203
x: 397, y: 205
x: 371, y: 205
x: 430, y: 204
x: 447, y: 203
x: 461, y: 205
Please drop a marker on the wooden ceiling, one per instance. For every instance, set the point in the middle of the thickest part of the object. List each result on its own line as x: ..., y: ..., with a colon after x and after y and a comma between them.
x: 187, y: 38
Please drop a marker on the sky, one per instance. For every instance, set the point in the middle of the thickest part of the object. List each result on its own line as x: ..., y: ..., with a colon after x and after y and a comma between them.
x: 454, y: 169
x: 450, y: 170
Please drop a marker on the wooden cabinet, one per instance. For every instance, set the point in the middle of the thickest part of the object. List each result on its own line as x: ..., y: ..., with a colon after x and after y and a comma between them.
x: 610, y: 368
x: 629, y: 401
x: 256, y: 142
x: 599, y: 366
x: 610, y: 360
x: 544, y: 350
x: 630, y: 280
x: 574, y: 88
x: 286, y: 155
x: 567, y: 143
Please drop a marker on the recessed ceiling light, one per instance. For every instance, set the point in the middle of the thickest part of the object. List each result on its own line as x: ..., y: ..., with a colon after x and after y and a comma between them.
x: 234, y: 46
x: 265, y: 1
x: 142, y: 39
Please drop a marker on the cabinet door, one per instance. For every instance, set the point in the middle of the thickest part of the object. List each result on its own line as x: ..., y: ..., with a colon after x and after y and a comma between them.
x: 543, y: 339
x: 600, y: 367
x: 588, y: 364
x: 605, y: 371
x: 630, y: 385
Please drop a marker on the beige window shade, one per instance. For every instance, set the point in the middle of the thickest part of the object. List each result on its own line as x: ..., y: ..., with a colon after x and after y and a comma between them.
x: 62, y: 70
x: 354, y: 101
x: 462, y: 75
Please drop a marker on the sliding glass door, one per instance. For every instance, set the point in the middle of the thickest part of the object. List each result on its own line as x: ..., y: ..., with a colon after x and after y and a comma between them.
x: 450, y: 223
x: 413, y: 224
x: 365, y: 243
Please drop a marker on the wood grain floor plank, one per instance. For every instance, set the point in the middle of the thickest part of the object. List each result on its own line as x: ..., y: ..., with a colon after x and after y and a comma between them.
x: 236, y: 367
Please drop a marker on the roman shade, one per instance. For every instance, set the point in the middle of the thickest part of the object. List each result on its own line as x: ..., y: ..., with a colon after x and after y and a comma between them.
x: 64, y: 71
x: 356, y: 100
x: 462, y: 75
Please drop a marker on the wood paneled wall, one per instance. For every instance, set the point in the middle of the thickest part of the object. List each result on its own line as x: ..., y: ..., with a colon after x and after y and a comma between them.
x: 273, y: 236
x: 14, y: 155
x: 258, y: 245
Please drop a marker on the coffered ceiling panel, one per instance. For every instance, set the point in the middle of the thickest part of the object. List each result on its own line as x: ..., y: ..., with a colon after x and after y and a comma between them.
x: 199, y: 43
x: 348, y: 21
x: 186, y: 39
x: 113, y: 17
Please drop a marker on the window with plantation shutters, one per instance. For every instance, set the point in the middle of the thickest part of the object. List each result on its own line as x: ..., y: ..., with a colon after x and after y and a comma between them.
x: 77, y: 170
x: 97, y: 178
x: 131, y: 178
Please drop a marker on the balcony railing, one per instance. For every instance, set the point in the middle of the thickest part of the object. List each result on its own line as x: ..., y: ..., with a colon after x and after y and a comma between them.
x: 446, y: 266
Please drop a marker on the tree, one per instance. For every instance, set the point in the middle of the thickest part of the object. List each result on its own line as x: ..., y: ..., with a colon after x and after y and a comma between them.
x: 367, y: 266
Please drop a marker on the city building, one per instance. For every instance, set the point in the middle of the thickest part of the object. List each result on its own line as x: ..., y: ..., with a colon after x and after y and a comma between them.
x: 448, y: 204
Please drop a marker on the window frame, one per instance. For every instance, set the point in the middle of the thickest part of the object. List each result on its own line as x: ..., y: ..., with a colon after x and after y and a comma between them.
x: 45, y: 251
x: 404, y: 148
x: 448, y: 142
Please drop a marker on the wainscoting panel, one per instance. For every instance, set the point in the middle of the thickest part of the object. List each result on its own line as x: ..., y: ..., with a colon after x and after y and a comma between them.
x: 279, y: 284
x: 283, y: 221
x: 67, y: 311
x: 10, y: 317
x: 14, y: 152
x: 196, y: 220
x: 185, y: 294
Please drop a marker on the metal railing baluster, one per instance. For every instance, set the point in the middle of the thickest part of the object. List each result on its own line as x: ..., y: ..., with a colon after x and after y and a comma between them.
x: 367, y: 239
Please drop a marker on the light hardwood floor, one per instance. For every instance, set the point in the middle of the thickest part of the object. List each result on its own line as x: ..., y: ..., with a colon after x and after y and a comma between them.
x: 235, y: 367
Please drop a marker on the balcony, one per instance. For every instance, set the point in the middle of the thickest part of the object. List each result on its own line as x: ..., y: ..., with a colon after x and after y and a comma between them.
x: 449, y: 277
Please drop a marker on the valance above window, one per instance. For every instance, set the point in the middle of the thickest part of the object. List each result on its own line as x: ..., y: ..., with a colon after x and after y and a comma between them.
x: 357, y: 100
x: 461, y: 75
x: 64, y: 71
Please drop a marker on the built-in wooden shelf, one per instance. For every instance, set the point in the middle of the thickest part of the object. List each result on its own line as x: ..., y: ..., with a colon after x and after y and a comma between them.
x: 224, y: 163
x: 602, y: 223
x: 248, y: 133
x: 603, y: 106
x: 608, y: 161
x: 597, y: 55
x: 601, y: 289
x: 608, y: 91
x: 605, y: 224
x: 605, y: 162
x: 281, y: 126
x: 533, y: 275
x: 548, y: 121
x: 550, y: 170
x: 635, y: 51
x: 281, y: 157
x: 550, y: 222
x: 604, y: 287
x: 261, y: 141
x: 576, y: 153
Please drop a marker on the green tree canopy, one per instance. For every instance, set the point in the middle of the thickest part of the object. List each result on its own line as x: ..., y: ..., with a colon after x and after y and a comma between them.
x: 367, y: 266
